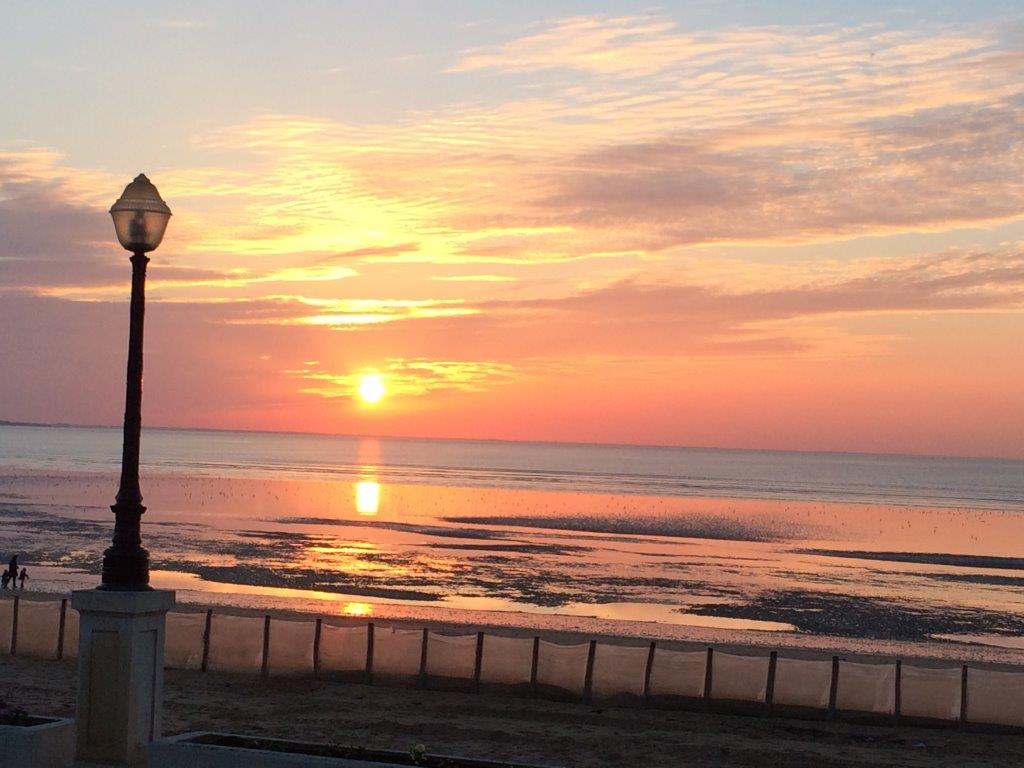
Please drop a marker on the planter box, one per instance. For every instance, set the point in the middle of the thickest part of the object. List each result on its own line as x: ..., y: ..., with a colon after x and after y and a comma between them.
x: 218, y: 750
x: 45, y: 743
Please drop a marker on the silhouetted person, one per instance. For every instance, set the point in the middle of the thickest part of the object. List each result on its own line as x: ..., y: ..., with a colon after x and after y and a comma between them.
x: 22, y: 577
x: 12, y: 570
x: 5, y: 580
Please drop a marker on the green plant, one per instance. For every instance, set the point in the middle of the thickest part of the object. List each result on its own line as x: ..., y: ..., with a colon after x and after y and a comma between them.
x: 12, y: 715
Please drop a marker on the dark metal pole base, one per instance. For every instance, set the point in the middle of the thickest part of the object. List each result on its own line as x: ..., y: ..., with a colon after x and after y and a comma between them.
x: 126, y: 563
x: 125, y: 570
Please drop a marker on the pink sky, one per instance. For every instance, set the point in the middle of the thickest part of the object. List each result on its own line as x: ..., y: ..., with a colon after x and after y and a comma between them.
x: 595, y: 228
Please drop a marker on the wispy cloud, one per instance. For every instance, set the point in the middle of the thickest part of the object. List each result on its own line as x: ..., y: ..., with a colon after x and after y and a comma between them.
x: 348, y: 314
x: 656, y: 139
x: 163, y: 279
x: 409, y: 377
x: 474, y: 278
x: 636, y: 45
x: 636, y: 317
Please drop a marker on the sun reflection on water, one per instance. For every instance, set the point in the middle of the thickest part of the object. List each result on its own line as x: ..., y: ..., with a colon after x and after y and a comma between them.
x: 367, y: 497
x: 357, y: 609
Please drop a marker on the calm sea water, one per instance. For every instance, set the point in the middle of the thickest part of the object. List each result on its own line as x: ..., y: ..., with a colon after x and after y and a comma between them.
x: 669, y: 542
x: 658, y: 471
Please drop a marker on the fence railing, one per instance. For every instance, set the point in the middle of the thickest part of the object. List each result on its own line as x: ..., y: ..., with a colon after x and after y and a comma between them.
x: 594, y: 670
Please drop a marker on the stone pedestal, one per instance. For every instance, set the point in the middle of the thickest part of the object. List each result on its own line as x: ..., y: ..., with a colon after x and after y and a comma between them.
x: 120, y: 672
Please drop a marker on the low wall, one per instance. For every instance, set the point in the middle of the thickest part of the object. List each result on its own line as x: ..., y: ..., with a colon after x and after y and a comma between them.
x: 223, y: 642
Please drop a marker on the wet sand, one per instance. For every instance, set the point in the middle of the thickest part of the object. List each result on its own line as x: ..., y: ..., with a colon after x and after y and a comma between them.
x: 499, y: 727
x: 856, y: 578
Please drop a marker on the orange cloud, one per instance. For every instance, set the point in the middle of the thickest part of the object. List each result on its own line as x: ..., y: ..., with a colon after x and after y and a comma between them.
x: 408, y: 378
x: 347, y: 314
x: 759, y: 135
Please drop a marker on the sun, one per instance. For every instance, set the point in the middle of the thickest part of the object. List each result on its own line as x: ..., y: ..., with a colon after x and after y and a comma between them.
x: 371, y: 388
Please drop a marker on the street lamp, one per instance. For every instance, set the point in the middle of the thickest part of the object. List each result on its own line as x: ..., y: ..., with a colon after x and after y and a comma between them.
x: 122, y: 623
x: 140, y: 218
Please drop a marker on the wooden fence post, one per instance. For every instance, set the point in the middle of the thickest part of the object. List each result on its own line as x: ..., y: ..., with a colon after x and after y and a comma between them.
x: 479, y: 662
x: 265, y: 666
x: 423, y: 659
x: 369, y: 653
x: 533, y: 667
x: 14, y: 627
x: 60, y: 628
x: 708, y: 673
x: 769, y: 691
x: 647, y: 671
x: 898, y: 693
x: 316, y: 646
x: 206, y: 640
x: 588, y: 677
x: 963, y: 697
x: 833, y: 689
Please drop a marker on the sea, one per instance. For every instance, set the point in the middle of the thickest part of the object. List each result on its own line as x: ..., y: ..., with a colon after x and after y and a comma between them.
x: 687, y: 543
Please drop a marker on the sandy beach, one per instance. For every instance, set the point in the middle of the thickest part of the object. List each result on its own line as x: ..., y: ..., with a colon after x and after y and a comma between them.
x: 516, y: 729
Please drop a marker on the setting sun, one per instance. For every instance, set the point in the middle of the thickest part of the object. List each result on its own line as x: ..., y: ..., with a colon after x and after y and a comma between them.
x: 371, y: 388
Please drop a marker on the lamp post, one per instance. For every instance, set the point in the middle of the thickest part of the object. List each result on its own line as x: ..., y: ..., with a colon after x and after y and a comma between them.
x: 140, y: 219
x: 122, y: 622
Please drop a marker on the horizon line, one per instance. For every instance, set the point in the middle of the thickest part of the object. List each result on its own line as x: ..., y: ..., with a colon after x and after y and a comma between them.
x: 675, y: 446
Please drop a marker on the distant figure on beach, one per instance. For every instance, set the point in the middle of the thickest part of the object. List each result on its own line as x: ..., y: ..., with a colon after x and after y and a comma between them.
x: 5, y: 580
x: 11, y: 574
x: 22, y: 577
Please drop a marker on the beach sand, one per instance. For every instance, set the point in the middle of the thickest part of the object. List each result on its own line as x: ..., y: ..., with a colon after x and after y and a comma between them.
x: 502, y: 727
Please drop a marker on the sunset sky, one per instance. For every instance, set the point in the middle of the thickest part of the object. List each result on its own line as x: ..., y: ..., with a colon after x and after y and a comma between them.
x: 760, y: 225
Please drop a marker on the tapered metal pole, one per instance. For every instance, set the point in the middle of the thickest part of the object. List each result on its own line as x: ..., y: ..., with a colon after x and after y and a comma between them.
x: 126, y: 563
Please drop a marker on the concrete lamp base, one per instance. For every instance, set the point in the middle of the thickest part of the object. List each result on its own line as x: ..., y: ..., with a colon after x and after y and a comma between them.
x: 120, y: 672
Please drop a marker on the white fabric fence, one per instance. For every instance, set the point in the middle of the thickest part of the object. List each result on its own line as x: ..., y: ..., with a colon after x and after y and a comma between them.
x: 932, y: 693
x: 451, y: 656
x: 235, y: 644
x: 866, y: 688
x: 739, y: 678
x: 563, y: 667
x: 619, y: 670
x: 264, y: 645
x: 802, y: 683
x: 995, y: 697
x: 397, y: 652
x: 678, y: 673
x: 506, y: 660
x: 343, y: 649
x: 184, y: 638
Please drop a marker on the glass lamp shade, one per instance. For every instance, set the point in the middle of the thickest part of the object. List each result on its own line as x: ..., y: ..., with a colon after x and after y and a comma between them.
x: 140, y: 216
